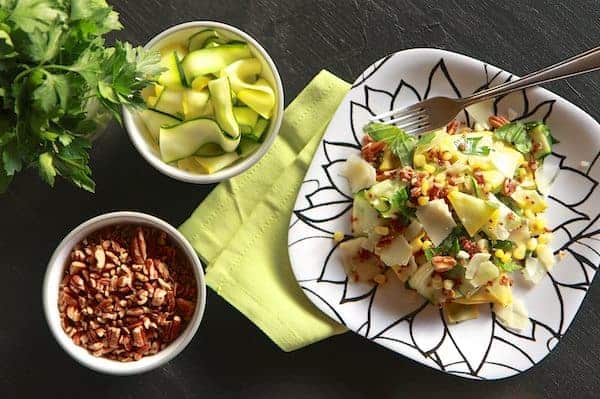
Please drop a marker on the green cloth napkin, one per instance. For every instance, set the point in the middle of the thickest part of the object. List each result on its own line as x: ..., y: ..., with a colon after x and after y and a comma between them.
x: 240, y: 230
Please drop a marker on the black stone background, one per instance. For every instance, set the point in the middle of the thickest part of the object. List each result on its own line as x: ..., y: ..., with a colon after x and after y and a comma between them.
x: 229, y: 357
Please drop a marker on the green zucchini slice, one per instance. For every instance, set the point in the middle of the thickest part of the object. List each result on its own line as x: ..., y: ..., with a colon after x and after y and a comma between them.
x: 198, y: 40
x: 183, y: 140
x: 173, y: 77
x: 220, y: 92
x: 261, y: 98
x: 247, y: 146
x: 170, y: 102
x: 154, y: 120
x: 212, y: 60
x: 207, y: 165
x: 243, y: 74
x: 210, y: 150
x: 195, y: 103
x: 245, y: 116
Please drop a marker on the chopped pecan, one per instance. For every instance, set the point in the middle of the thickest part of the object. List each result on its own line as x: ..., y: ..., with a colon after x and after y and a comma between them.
x: 138, y: 246
x: 372, y: 151
x: 443, y: 263
x: 509, y: 186
x: 100, y: 256
x: 497, y: 121
x: 452, y: 127
x: 123, y: 307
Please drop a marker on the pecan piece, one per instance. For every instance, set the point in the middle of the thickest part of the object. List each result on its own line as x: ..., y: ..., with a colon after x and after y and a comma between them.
x: 100, y: 256
x: 159, y: 297
x: 138, y: 246
x: 497, y: 121
x: 186, y: 308
x: 139, y: 336
x: 443, y: 263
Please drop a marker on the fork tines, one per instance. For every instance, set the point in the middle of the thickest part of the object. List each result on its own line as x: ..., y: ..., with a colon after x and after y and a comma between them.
x: 410, y: 119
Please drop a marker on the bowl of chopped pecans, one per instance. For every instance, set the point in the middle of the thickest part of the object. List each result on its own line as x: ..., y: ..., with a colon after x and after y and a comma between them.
x: 124, y: 293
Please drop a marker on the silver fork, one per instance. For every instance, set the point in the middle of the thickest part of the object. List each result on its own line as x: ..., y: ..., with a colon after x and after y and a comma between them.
x: 437, y: 112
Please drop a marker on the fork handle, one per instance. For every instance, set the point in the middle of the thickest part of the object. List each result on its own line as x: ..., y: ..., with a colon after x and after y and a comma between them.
x: 585, y: 62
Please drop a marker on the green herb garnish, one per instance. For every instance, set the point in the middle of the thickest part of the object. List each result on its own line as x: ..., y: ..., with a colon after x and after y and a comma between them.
x: 509, y: 267
x: 505, y: 245
x: 450, y: 246
x: 400, y: 203
x: 57, y: 78
x: 470, y: 146
x: 510, y: 203
x: 426, y: 138
x: 515, y: 133
x: 400, y: 144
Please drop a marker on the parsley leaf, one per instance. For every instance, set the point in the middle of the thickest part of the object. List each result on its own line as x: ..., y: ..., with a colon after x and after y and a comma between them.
x: 399, y: 203
x: 47, y: 170
x: 471, y: 146
x: 52, y: 95
x: 505, y: 245
x: 29, y: 15
x: 400, y: 143
x: 41, y: 46
x: 515, y: 133
x: 451, y: 244
x: 96, y: 12
x: 11, y: 159
x: 426, y: 138
x: 509, y: 267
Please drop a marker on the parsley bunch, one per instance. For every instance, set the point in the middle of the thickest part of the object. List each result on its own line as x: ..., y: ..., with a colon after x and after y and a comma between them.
x: 55, y: 73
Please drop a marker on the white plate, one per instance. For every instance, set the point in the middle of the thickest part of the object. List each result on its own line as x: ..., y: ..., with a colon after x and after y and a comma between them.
x: 398, y: 318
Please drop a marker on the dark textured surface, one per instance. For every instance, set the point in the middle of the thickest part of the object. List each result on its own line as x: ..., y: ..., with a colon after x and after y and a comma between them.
x: 229, y: 357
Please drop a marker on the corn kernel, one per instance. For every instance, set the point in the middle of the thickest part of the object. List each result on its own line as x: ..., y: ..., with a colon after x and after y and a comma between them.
x: 539, y: 225
x: 429, y: 168
x: 427, y: 244
x: 507, y: 257
x: 532, y: 244
x: 487, y: 187
x: 522, y: 173
x: 446, y: 156
x: 519, y: 252
x: 545, y: 238
x: 338, y: 236
x: 419, y: 160
x: 425, y: 186
x: 440, y: 178
x: 416, y: 245
x: 529, y: 214
x: 422, y: 200
x: 448, y: 284
x: 381, y: 230
x: 499, y: 253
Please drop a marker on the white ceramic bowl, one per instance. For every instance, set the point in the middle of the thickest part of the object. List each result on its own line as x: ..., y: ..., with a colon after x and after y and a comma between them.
x: 54, y: 275
x: 141, y: 139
